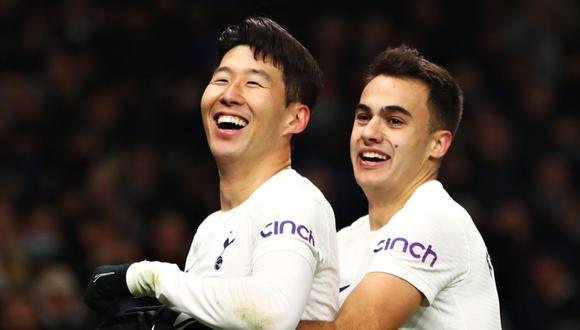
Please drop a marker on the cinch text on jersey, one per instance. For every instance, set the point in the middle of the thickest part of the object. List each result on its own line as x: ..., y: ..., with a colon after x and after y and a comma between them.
x: 288, y: 227
x: 415, y: 249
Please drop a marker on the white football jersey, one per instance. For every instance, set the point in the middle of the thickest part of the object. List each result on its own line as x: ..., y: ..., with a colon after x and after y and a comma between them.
x: 433, y: 244
x: 273, y: 256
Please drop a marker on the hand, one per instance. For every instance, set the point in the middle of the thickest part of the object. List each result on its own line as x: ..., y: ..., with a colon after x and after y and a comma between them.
x: 105, y: 285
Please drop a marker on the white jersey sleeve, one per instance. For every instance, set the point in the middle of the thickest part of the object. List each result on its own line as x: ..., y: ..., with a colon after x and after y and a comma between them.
x: 295, y: 222
x: 302, y: 222
x: 272, y: 298
x: 425, y: 245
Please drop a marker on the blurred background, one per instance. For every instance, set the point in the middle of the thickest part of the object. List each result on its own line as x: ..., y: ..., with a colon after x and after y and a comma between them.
x: 103, y: 158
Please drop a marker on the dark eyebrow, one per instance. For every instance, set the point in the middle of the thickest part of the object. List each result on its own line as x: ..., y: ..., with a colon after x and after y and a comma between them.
x: 389, y: 109
x: 363, y: 107
x: 259, y: 72
x: 222, y: 69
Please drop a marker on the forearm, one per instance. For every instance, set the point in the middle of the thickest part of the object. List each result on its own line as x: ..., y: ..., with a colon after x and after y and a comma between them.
x: 273, y: 297
x: 240, y: 303
x: 316, y: 325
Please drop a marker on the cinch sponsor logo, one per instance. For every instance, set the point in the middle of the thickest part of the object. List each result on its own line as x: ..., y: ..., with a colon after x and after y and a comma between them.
x: 287, y: 227
x: 415, y: 249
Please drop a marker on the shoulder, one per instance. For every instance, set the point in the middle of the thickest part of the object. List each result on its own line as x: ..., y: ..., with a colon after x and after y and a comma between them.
x: 432, y: 207
x: 290, y: 197
x: 289, y: 212
x: 433, y: 220
x: 290, y: 188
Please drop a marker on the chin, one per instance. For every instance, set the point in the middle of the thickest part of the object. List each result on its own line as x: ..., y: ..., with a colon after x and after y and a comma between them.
x: 364, y: 180
x: 224, y: 155
x: 224, y: 148
x: 370, y: 180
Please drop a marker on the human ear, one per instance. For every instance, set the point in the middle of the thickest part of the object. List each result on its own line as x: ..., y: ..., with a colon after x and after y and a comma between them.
x: 299, y: 116
x: 440, y: 143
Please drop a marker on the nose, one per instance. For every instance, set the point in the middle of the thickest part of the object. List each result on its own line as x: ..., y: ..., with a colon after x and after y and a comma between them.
x: 232, y: 95
x: 372, y: 132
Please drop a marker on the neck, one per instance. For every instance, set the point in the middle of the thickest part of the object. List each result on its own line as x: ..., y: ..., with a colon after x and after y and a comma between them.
x: 384, y: 202
x: 238, y: 180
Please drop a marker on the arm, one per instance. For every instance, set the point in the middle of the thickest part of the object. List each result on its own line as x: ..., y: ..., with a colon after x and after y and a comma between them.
x: 274, y: 296
x: 380, y: 301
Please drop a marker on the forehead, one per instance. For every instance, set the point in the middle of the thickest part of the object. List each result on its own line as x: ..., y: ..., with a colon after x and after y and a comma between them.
x: 409, y: 93
x: 241, y: 58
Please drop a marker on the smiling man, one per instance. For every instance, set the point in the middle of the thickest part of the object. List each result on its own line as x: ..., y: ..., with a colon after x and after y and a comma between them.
x: 268, y: 257
x: 416, y: 261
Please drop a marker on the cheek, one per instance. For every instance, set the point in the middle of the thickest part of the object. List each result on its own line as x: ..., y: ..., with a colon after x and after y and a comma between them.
x: 354, y: 136
x: 260, y: 100
x: 208, y: 98
x: 411, y: 152
x: 406, y: 139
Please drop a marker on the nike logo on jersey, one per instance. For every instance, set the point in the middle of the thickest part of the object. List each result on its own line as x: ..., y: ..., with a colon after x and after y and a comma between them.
x: 97, y: 276
x: 342, y: 288
x: 288, y: 227
x: 416, y: 249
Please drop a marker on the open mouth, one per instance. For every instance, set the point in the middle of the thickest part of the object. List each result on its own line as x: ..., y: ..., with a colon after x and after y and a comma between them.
x: 375, y: 157
x: 230, y: 122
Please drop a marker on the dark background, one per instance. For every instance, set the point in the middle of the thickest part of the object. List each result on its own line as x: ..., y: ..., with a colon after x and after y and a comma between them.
x: 103, y: 158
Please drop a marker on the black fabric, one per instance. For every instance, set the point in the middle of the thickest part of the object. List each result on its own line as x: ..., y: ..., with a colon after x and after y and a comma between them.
x: 143, y: 314
x: 138, y: 314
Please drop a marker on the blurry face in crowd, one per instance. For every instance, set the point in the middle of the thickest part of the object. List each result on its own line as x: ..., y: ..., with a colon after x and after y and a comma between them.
x: 244, y: 109
x: 391, y: 146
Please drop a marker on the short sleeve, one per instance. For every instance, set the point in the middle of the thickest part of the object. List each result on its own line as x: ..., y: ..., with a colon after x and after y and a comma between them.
x: 427, y: 250
x: 297, y: 220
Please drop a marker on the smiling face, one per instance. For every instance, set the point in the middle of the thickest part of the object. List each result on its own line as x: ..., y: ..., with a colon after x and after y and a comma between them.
x: 391, y: 146
x: 244, y: 109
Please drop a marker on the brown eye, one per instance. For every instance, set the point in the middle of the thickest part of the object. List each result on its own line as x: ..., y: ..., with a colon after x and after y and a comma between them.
x: 254, y: 83
x: 395, y: 121
x: 219, y: 81
x: 361, y: 116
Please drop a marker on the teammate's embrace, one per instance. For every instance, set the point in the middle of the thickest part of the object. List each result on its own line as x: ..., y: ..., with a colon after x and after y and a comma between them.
x: 416, y: 261
x: 268, y: 257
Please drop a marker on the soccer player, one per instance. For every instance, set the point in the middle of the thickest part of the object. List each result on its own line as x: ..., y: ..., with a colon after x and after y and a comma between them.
x: 268, y: 258
x: 416, y: 261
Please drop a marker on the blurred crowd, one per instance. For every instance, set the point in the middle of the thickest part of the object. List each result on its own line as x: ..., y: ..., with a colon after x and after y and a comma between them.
x: 103, y: 158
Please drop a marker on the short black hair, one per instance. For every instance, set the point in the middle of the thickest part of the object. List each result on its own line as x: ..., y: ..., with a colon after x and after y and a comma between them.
x: 445, y: 96
x: 301, y: 73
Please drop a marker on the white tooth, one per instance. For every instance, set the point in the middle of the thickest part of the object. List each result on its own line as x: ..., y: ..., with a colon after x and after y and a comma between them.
x: 240, y: 122
x: 231, y: 119
x: 223, y: 119
x: 374, y: 155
